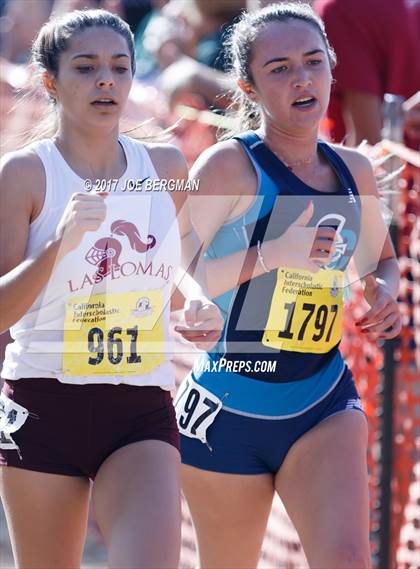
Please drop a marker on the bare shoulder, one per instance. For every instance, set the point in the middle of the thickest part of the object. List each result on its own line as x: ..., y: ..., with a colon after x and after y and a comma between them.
x: 22, y: 181
x: 170, y: 164
x: 20, y: 164
x: 360, y: 167
x: 168, y: 160
x: 352, y: 157
x: 224, y: 169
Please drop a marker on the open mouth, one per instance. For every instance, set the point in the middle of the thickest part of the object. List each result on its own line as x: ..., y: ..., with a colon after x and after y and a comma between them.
x: 104, y: 103
x: 304, y: 102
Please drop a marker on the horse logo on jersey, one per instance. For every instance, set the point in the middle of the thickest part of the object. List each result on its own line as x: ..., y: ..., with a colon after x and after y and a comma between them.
x: 106, y: 251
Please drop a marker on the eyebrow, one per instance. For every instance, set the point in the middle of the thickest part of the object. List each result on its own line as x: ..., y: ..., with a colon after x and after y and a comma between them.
x: 93, y: 56
x: 278, y: 59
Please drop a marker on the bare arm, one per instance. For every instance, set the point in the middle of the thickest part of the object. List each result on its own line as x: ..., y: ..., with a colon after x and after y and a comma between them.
x: 228, y: 272
x: 362, y: 114
x: 227, y: 188
x: 375, y: 256
x: 222, y: 173
x: 187, y: 76
x: 204, y: 322
x: 22, y: 194
x: 375, y: 253
x: 170, y: 164
x: 21, y: 280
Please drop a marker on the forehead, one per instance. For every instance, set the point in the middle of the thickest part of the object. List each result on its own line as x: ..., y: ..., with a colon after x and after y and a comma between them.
x: 282, y: 39
x: 97, y: 41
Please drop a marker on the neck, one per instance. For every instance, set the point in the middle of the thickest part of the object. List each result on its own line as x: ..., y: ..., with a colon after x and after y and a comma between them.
x: 291, y: 147
x: 95, y: 155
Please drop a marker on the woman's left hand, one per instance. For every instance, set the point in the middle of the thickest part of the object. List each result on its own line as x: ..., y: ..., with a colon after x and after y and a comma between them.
x: 383, y: 320
x: 204, y: 323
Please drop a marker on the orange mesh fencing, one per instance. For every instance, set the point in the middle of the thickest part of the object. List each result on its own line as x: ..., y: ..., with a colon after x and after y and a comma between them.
x: 405, y: 519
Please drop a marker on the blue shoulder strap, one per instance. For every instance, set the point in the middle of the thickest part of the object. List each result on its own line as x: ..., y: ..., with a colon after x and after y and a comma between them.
x: 276, y: 170
x: 262, y: 154
x: 340, y: 167
x: 259, y: 150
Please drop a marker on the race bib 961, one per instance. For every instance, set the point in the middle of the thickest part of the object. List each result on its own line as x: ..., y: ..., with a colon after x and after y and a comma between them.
x: 114, y: 334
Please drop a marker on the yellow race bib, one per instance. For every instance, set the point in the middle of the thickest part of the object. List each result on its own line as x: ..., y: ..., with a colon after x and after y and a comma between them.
x: 306, y: 311
x: 114, y: 334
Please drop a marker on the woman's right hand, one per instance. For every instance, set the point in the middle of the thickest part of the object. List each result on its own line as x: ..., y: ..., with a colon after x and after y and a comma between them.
x: 203, y: 323
x: 301, y: 247
x: 84, y: 212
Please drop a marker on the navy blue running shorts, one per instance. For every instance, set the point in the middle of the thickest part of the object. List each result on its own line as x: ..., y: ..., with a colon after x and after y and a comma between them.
x: 237, y: 444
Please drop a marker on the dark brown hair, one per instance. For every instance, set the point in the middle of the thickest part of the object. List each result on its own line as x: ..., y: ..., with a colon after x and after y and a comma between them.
x: 54, y: 36
x: 52, y: 40
x: 239, y: 49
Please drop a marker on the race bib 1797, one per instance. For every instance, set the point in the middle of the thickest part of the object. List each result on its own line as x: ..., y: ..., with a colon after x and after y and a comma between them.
x: 306, y: 311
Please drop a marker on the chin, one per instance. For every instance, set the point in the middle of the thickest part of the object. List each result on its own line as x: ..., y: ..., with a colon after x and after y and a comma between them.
x: 308, y: 122
x: 100, y: 123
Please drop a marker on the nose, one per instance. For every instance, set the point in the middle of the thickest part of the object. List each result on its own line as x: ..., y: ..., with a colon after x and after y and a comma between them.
x: 105, y: 79
x: 302, y: 78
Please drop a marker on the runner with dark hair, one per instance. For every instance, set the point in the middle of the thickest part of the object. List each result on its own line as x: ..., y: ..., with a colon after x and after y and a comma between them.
x: 288, y: 212
x: 86, y: 285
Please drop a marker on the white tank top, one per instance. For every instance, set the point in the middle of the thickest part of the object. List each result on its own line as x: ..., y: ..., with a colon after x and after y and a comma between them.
x: 103, y: 316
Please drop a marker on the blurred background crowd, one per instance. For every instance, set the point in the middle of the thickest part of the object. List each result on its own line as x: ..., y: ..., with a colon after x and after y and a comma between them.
x: 183, y: 79
x: 182, y: 68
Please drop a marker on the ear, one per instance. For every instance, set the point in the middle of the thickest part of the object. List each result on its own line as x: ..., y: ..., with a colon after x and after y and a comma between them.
x: 49, y: 84
x: 248, y: 89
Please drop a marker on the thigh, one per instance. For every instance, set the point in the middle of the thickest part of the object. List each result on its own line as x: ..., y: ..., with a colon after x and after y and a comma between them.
x: 324, y: 486
x: 136, y: 499
x: 230, y: 513
x: 46, y: 517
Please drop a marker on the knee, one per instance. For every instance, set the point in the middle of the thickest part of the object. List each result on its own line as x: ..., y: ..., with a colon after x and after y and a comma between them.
x: 349, y: 555
x: 135, y: 548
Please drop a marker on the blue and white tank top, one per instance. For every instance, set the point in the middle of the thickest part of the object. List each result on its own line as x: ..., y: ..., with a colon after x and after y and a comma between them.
x: 287, y: 316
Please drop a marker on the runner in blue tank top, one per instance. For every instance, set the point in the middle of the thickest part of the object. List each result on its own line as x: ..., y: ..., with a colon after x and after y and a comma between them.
x: 274, y: 408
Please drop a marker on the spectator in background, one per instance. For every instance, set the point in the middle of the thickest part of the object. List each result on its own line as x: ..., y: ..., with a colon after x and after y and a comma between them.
x: 116, y: 7
x: 134, y: 11
x: 20, y: 21
x: 181, y: 55
x: 194, y: 27
x: 212, y: 20
x: 412, y: 119
x: 377, y: 51
x: 189, y: 36
x: 161, y: 38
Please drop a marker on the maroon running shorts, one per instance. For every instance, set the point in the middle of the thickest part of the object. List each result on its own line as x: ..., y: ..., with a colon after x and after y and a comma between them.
x: 72, y: 429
